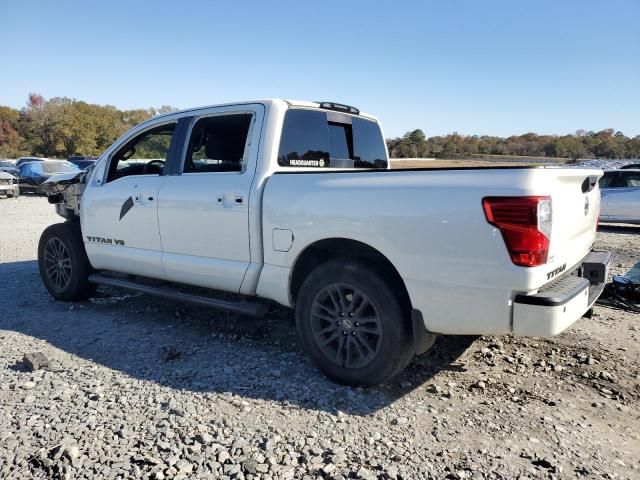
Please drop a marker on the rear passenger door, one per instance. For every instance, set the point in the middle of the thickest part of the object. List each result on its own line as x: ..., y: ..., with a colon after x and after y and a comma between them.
x: 204, y: 205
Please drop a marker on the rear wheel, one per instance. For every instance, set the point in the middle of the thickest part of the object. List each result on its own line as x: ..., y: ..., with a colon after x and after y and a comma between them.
x: 352, y: 323
x: 64, y: 266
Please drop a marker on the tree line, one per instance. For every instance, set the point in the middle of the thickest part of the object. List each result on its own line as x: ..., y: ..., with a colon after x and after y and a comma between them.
x: 61, y: 127
x: 606, y: 143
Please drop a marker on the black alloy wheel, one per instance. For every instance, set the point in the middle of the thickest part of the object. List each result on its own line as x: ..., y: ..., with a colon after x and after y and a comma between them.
x: 346, y: 325
x: 57, y: 264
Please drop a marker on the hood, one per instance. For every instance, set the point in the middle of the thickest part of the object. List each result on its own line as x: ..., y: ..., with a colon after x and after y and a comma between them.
x: 6, y: 175
x: 58, y: 182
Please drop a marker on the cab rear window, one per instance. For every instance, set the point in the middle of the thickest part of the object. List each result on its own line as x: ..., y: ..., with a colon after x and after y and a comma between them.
x: 313, y: 138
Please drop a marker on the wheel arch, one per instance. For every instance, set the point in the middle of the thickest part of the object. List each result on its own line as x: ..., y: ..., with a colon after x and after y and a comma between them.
x: 322, y: 251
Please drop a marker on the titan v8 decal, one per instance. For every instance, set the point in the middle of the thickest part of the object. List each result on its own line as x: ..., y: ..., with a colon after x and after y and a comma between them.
x: 126, y: 206
x: 107, y: 241
x: 556, y: 271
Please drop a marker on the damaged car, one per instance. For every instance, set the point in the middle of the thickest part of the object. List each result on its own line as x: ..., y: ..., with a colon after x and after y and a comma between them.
x: 33, y: 174
x: 8, y: 185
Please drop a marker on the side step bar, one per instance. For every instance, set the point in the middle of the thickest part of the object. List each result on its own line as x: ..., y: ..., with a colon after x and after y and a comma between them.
x: 253, y: 309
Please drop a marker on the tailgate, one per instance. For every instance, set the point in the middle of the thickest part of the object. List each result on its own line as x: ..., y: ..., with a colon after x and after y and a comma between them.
x: 576, y: 207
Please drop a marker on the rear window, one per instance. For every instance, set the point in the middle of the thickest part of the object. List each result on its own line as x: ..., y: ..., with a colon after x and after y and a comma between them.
x: 312, y: 138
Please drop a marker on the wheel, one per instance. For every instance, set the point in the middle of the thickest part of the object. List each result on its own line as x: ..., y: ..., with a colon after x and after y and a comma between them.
x: 352, y: 323
x: 64, y: 266
x: 15, y: 193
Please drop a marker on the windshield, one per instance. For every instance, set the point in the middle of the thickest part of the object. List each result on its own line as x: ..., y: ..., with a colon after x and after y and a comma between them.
x: 83, y: 163
x: 56, y: 167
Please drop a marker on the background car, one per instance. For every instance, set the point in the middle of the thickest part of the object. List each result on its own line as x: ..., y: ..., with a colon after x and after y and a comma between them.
x: 32, y: 174
x: 620, y: 190
x: 8, y: 167
x: 23, y: 160
x: 630, y: 165
x: 82, y: 162
x: 8, y: 185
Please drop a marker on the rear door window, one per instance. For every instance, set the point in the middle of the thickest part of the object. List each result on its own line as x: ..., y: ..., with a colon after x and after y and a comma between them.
x: 315, y: 138
x: 218, y: 143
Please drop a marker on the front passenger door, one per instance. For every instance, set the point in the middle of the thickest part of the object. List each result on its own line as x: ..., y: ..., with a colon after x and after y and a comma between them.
x: 119, y: 214
x: 624, y: 200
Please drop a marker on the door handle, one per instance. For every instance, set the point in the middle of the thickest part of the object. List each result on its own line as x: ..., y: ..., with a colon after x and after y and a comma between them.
x: 230, y: 200
x: 144, y: 197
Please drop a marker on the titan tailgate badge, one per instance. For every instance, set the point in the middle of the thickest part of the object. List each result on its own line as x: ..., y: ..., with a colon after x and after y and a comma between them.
x: 556, y: 271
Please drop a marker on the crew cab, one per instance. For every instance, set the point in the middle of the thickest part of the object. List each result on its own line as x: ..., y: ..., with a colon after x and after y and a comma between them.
x: 294, y: 202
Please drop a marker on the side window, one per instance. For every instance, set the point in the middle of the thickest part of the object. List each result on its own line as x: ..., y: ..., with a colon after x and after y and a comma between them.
x: 145, y: 154
x: 630, y: 179
x: 218, y: 144
x: 314, y: 138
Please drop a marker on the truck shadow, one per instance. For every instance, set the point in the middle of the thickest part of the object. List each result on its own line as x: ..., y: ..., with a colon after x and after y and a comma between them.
x: 197, y: 349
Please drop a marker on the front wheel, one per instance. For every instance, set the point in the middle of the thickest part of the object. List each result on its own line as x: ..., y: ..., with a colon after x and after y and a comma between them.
x: 64, y: 266
x: 352, y: 323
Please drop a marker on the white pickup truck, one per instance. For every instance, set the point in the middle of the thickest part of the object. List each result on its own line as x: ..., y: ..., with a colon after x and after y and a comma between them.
x: 294, y: 202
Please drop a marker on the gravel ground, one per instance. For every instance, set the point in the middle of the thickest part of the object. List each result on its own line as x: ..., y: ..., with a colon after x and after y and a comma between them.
x: 143, y: 388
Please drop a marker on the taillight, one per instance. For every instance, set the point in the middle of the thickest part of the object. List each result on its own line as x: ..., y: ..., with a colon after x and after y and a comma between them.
x: 525, y: 224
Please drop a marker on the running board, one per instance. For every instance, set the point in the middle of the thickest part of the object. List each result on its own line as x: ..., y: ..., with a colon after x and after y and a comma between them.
x: 253, y: 309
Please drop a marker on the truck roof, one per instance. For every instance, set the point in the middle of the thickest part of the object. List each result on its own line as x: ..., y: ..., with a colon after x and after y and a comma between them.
x: 268, y: 102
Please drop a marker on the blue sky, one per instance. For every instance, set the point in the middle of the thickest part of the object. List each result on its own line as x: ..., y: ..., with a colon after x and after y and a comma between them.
x: 475, y: 67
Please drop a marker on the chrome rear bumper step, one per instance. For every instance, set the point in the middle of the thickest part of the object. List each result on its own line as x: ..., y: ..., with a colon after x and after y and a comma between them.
x: 244, y: 307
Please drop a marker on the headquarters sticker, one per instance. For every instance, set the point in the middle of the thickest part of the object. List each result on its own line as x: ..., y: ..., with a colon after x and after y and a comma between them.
x: 306, y: 163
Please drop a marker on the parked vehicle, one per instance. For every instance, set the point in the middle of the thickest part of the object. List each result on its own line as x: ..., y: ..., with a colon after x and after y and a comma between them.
x: 8, y: 185
x: 8, y: 167
x: 631, y: 165
x: 32, y: 174
x: 82, y: 162
x: 23, y: 160
x: 294, y: 202
x: 620, y: 190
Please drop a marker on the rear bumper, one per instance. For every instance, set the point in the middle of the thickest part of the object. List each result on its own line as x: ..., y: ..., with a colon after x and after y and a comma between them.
x: 560, y: 303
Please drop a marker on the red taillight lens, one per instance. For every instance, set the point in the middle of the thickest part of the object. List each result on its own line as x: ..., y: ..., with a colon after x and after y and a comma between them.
x: 525, y: 224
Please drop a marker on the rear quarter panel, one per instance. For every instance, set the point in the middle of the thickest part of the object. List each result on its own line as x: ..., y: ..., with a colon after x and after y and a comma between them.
x: 429, y: 224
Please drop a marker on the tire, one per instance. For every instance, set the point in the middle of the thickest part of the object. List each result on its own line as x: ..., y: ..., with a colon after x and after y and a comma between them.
x: 15, y: 193
x: 373, y: 342
x: 64, y: 266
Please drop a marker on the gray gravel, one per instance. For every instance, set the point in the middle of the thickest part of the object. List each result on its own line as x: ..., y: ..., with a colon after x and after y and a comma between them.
x: 138, y: 387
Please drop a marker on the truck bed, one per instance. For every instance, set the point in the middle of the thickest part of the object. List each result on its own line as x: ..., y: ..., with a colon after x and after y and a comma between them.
x: 430, y: 224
